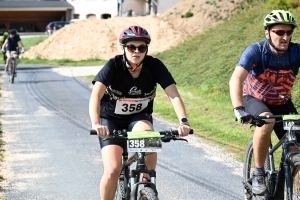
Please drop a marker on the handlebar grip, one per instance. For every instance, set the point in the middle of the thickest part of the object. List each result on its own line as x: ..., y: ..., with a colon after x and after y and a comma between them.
x: 93, y: 132
x: 191, y: 131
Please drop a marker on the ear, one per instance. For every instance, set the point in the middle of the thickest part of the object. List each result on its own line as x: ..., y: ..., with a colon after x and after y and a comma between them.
x: 267, y: 34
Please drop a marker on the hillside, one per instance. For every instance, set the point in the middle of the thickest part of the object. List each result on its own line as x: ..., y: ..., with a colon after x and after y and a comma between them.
x: 98, y: 39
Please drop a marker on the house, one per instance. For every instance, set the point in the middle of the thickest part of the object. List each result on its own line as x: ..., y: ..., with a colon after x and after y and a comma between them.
x: 34, y: 15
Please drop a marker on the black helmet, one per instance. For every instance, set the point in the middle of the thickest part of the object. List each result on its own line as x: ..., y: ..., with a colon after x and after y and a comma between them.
x: 13, y: 31
x: 134, y: 33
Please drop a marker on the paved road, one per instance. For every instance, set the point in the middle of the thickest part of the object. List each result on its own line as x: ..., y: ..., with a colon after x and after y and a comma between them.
x: 50, y: 154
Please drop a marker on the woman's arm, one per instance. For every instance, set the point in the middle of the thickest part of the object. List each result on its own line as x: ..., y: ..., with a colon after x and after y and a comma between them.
x: 23, y: 47
x: 179, y: 108
x: 94, y: 109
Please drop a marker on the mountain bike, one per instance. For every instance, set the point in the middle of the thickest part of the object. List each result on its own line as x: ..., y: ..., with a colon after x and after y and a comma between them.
x: 282, y: 183
x: 130, y: 186
x: 12, y: 65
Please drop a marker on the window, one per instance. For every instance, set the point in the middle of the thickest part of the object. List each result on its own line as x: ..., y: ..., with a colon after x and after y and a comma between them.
x: 89, y: 16
x: 76, y: 16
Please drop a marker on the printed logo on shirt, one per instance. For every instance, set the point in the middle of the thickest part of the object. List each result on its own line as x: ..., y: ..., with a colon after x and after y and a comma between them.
x: 134, y: 91
x: 115, y: 91
x: 151, y: 94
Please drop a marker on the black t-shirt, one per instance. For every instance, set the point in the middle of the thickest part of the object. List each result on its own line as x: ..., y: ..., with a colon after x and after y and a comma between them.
x: 125, y: 95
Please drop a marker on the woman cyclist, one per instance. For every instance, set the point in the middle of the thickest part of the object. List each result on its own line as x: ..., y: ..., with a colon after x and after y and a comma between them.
x: 122, y: 98
x: 10, y: 44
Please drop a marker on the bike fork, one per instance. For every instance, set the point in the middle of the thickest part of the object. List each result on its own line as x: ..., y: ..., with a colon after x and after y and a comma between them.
x: 287, y: 171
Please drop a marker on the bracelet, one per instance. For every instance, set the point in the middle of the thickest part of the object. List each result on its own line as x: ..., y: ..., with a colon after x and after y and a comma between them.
x: 185, y: 123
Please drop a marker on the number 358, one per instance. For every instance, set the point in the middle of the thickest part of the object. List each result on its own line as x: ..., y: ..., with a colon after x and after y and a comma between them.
x: 131, y: 107
x: 136, y: 143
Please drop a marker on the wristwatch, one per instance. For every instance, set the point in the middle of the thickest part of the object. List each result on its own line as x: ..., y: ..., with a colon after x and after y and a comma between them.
x: 184, y: 121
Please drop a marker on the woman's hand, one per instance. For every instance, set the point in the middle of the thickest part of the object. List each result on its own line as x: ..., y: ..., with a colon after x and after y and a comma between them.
x: 102, y: 131
x: 184, y: 130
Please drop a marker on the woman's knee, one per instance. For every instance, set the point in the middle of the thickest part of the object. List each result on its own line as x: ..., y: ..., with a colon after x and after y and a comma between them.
x: 112, y: 172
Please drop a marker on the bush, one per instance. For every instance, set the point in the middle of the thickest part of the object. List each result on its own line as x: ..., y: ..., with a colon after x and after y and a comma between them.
x: 188, y: 14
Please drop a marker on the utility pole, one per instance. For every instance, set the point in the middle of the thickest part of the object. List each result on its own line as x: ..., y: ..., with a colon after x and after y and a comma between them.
x: 120, y: 6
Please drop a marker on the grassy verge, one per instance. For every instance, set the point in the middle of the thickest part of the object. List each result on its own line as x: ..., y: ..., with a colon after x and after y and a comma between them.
x: 2, y: 143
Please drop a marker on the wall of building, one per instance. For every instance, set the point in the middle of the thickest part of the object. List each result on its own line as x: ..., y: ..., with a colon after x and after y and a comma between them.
x: 84, y: 9
x: 137, y: 6
x: 165, y: 5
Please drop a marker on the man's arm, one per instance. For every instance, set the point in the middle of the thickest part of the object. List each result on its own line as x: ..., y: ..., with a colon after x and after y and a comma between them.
x: 236, y: 86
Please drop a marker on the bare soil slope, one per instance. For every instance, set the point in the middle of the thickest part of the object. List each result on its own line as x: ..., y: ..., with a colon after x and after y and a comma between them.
x: 98, y: 39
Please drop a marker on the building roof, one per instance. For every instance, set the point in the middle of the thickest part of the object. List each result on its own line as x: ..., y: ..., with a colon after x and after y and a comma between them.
x: 27, y: 5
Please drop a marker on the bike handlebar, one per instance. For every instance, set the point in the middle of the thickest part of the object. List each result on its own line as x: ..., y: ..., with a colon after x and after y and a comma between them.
x: 167, y: 134
x: 117, y: 132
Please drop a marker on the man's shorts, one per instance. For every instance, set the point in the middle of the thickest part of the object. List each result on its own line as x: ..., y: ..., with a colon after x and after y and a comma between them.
x: 121, y: 124
x: 255, y: 107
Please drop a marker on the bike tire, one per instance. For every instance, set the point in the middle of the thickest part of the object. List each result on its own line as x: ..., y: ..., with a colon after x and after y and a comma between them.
x: 147, y: 193
x: 9, y: 70
x: 295, y: 187
x: 247, y: 174
x: 120, y: 192
x: 13, y: 72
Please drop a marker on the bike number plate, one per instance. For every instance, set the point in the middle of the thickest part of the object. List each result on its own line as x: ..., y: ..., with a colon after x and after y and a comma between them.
x: 144, y: 141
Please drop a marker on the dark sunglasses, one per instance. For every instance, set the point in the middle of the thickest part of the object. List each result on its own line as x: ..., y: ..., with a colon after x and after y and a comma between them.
x: 282, y: 32
x: 142, y: 48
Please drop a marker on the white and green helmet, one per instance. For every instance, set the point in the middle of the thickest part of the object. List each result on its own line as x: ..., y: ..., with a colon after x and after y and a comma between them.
x: 279, y: 17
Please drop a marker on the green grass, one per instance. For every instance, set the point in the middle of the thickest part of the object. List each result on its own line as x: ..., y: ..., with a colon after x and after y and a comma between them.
x: 202, y: 67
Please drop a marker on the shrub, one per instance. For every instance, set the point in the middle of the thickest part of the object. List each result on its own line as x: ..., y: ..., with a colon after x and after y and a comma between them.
x: 188, y: 14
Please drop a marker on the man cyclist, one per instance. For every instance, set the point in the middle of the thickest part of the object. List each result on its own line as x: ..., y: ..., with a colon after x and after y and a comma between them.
x: 122, y: 98
x: 261, y: 84
x: 5, y: 35
x: 10, y: 44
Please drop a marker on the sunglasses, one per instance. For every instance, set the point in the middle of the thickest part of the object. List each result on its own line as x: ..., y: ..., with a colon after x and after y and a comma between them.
x: 142, y: 48
x: 282, y: 32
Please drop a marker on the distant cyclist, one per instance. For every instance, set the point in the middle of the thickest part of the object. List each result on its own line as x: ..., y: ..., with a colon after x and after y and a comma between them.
x: 122, y: 98
x: 11, y: 43
x: 261, y: 84
x: 5, y: 35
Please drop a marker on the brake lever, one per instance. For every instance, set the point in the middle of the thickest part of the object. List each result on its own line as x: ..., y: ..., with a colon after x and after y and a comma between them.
x: 180, y: 139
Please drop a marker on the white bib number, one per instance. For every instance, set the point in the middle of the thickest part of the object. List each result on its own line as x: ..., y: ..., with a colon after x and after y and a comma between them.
x: 144, y: 141
x: 130, y: 106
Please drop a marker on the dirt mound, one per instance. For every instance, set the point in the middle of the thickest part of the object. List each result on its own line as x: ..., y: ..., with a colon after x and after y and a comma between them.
x: 98, y: 39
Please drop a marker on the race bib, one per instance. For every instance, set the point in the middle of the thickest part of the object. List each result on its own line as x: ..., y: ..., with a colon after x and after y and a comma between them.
x: 144, y: 141
x: 130, y: 106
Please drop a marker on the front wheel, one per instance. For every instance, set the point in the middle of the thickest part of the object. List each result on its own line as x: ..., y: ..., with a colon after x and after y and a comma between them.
x: 147, y: 193
x: 295, y: 186
x: 121, y: 191
x: 13, y: 70
x: 248, y: 168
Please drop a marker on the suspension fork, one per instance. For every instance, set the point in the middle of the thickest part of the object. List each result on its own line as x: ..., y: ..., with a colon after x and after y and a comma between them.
x: 287, y: 171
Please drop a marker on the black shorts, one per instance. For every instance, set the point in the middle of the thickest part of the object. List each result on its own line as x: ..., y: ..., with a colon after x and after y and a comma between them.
x: 255, y: 107
x: 121, y: 124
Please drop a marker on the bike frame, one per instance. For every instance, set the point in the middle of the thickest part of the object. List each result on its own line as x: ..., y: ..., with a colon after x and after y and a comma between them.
x: 13, y: 64
x: 129, y: 181
x: 284, y: 168
x: 134, y: 175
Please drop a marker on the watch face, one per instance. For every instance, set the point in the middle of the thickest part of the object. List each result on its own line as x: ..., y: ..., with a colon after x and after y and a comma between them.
x: 184, y: 120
